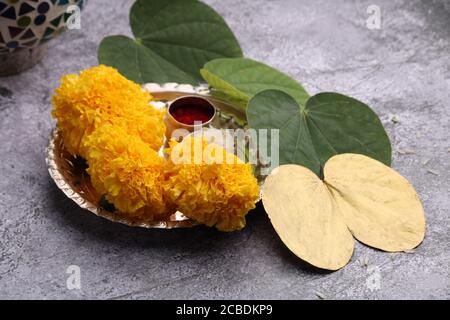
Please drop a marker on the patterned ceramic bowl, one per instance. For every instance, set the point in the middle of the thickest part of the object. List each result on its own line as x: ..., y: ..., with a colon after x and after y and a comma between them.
x: 25, y: 25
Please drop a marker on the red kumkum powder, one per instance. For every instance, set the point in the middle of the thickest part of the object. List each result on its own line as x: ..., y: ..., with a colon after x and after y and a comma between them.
x: 191, y: 109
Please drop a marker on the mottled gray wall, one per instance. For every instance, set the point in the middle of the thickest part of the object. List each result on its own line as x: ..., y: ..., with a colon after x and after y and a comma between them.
x: 402, y: 71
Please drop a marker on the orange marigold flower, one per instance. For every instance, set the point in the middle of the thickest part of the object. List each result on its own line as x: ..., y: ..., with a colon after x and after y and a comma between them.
x: 210, y: 185
x: 128, y: 171
x: 101, y: 95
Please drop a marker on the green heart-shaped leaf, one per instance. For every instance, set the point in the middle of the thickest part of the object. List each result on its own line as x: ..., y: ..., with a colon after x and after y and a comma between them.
x: 240, y: 79
x: 139, y: 63
x: 174, y: 39
x: 329, y: 124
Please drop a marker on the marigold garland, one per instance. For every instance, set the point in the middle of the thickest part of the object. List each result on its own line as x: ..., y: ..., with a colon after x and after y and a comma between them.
x: 107, y: 119
x: 210, y: 185
x: 128, y: 171
x: 101, y: 95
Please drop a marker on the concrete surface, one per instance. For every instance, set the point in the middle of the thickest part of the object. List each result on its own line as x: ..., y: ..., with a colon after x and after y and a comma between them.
x: 402, y: 71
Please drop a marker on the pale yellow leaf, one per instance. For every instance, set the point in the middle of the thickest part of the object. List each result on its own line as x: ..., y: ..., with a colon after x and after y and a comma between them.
x: 302, y: 212
x: 378, y: 205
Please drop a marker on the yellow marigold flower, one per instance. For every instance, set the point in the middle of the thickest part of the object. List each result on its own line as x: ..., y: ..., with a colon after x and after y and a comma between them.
x: 210, y: 185
x: 101, y: 95
x: 128, y: 171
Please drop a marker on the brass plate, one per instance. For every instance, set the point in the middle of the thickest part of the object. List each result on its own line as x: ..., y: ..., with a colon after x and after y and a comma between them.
x: 69, y: 172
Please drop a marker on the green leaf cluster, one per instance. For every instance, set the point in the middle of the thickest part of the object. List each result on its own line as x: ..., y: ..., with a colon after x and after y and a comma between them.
x: 186, y: 41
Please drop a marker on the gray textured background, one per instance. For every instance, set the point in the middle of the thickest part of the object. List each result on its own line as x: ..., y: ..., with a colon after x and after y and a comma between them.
x: 402, y: 71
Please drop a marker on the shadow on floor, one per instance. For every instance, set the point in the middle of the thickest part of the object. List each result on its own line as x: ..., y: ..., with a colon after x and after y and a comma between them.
x: 181, y: 241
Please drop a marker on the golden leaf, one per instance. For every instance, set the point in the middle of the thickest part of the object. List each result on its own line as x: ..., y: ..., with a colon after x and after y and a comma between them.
x: 360, y: 196
x: 378, y: 205
x: 302, y: 212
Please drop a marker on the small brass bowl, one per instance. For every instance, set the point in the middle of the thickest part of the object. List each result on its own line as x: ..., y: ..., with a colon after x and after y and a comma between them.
x: 176, y: 129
